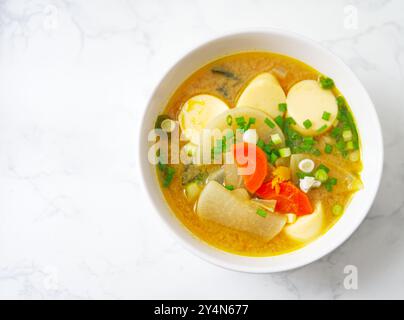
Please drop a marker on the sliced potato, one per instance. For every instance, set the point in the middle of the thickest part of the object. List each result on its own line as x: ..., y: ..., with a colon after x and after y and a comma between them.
x: 264, y: 132
x: 264, y: 93
x: 222, y: 206
x: 307, y: 227
x: 306, y: 100
x: 197, y: 112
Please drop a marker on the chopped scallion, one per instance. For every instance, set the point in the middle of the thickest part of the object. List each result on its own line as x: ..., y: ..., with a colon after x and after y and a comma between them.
x: 309, y: 141
x: 269, y: 123
x: 290, y: 120
x: 240, y: 121
x: 326, y: 83
x: 326, y: 116
x: 279, y: 121
x: 322, y: 128
x: 341, y: 101
x: 354, y: 156
x: 347, y: 135
x: 273, y: 157
x: 285, y: 152
x: 328, y: 148
x: 260, y: 143
x: 330, y: 183
x: 333, y: 181
x: 321, y: 175
x: 229, y: 187
x: 276, y: 139
x: 307, y: 124
x: 282, y: 107
x: 261, y: 212
x: 337, y: 210
x: 301, y: 175
x: 229, y: 120
x: 341, y: 145
x: 349, y: 145
x: 335, y: 133
x: 316, y: 152
x: 169, y: 175
x: 323, y: 167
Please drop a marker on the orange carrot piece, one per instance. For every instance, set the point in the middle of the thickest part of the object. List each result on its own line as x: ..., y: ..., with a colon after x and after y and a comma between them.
x: 255, y: 157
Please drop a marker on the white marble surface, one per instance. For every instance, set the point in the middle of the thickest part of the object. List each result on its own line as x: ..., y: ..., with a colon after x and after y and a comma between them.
x: 74, y: 77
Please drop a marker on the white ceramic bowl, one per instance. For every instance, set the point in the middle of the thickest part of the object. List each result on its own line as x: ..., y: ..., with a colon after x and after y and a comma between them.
x: 322, y: 60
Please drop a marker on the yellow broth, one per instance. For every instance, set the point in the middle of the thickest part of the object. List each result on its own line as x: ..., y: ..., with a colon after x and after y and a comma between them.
x: 246, y: 66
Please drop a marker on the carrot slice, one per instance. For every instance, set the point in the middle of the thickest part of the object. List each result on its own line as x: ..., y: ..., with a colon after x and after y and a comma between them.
x: 254, y: 157
x: 289, y: 199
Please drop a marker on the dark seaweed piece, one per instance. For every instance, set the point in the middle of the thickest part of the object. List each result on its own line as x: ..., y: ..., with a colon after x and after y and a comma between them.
x: 225, y: 73
x: 223, y: 91
x: 192, y: 173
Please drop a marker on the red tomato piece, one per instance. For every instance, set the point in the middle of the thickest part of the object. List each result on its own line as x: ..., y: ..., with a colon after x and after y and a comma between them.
x: 289, y: 199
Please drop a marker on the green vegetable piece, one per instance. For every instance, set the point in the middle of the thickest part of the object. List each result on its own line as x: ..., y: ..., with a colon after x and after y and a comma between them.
x: 330, y: 183
x: 322, y: 128
x: 341, y: 101
x: 337, y: 210
x: 321, y: 175
x: 169, y: 175
x: 328, y: 148
x: 282, y: 107
x: 333, y: 181
x: 261, y: 212
x: 309, y: 141
x: 347, y: 135
x: 307, y: 124
x: 159, y: 120
x: 260, y: 143
x: 269, y: 123
x: 323, y: 167
x: 336, y: 132
x: 273, y: 157
x: 290, y: 121
x: 279, y: 121
x: 326, y: 83
x: 229, y: 120
x: 276, y: 139
x: 240, y: 121
x: 341, y: 145
x: 316, y: 152
x: 326, y: 116
x: 349, y: 145
x: 284, y: 152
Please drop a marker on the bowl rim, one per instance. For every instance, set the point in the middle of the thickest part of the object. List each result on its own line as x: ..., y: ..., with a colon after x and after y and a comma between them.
x: 234, y: 266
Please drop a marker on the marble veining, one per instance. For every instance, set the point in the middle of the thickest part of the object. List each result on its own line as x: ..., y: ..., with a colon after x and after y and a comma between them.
x: 75, y: 76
